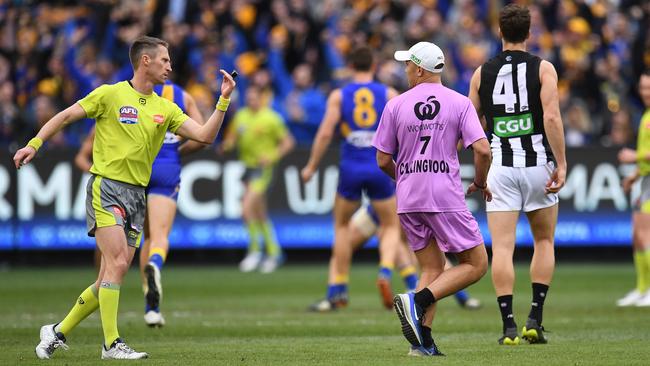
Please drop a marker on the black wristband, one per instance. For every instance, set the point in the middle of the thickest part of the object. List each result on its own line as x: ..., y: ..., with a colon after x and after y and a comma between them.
x: 479, y: 186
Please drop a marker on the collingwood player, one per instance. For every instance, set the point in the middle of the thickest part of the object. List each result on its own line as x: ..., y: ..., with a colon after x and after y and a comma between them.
x: 516, y: 93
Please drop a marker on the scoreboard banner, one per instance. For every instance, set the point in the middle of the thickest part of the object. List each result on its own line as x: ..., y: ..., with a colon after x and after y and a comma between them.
x: 42, y: 205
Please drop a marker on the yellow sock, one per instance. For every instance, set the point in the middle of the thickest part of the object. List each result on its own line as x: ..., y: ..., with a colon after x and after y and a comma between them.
x: 270, y: 241
x: 341, y: 279
x: 254, y: 237
x: 647, y: 269
x: 641, y: 270
x: 407, y: 271
x: 109, y: 298
x: 157, y: 256
x: 85, y: 305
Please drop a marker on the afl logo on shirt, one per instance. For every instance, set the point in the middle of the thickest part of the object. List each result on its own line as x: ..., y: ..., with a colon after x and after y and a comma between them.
x: 128, y: 115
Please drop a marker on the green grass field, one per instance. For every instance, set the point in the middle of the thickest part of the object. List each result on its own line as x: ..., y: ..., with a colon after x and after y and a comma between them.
x: 218, y: 316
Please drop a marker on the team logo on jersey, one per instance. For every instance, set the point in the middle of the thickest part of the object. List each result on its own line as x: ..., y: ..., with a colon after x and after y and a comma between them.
x: 158, y: 118
x: 511, y: 126
x: 427, y: 110
x: 128, y: 115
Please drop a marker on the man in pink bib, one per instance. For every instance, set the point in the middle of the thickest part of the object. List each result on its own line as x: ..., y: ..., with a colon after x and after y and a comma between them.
x: 422, y: 128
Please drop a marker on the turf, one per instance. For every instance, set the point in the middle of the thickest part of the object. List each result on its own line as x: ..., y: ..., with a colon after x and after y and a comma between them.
x: 218, y: 316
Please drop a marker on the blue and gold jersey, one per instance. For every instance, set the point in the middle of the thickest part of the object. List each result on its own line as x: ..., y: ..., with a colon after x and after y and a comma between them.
x: 169, y: 151
x: 361, y: 108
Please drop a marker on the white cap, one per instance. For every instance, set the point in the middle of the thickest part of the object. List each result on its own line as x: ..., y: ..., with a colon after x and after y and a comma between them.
x: 424, y: 54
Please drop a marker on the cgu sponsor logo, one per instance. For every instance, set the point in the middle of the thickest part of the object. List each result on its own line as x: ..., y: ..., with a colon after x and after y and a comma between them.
x: 128, y: 115
x: 513, y: 126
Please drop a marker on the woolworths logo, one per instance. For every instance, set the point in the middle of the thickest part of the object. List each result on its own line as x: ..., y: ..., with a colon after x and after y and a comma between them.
x: 513, y: 125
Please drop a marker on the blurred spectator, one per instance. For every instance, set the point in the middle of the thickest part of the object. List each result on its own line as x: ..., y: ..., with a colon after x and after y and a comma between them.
x: 295, y: 50
x: 621, y: 132
x: 302, y: 104
x: 577, y: 126
x: 9, y: 114
x: 41, y: 109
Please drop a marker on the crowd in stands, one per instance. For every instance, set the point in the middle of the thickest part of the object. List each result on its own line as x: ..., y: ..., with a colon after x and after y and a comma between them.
x: 52, y: 53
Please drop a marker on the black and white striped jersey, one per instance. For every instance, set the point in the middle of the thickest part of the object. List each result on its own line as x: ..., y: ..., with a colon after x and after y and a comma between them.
x: 510, y: 99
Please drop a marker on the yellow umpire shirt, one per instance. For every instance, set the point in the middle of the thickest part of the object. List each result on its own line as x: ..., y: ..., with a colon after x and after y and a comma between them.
x: 129, y: 131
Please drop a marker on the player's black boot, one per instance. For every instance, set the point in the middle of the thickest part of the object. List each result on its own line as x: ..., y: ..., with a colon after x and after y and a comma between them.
x: 510, y: 337
x: 533, y: 332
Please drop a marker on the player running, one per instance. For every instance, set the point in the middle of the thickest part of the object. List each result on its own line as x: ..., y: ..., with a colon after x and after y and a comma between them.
x: 640, y: 296
x: 262, y: 140
x: 131, y: 122
x: 517, y: 94
x: 363, y: 225
x: 355, y: 109
x: 162, y: 193
x: 422, y: 128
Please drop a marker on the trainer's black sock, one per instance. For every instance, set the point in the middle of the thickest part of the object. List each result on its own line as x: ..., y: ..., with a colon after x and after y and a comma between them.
x: 505, y: 306
x: 424, y: 298
x: 537, y: 306
x: 427, y: 339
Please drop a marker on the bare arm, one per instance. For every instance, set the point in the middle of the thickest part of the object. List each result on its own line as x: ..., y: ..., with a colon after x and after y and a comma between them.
x: 553, y: 124
x: 386, y: 163
x: 630, y: 180
x: 190, y: 146
x: 207, y: 132
x: 324, y: 134
x: 627, y: 156
x: 286, y: 145
x: 474, y: 86
x: 84, y: 158
x: 482, y: 156
x: 73, y: 113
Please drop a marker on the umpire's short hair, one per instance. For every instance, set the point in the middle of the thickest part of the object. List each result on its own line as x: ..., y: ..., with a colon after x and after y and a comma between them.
x: 514, y: 22
x: 144, y: 45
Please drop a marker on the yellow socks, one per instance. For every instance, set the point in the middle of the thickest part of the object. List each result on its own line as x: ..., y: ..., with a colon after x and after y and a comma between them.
x: 157, y: 256
x: 410, y: 277
x: 646, y: 253
x: 641, y: 260
x: 342, y: 279
x: 271, y: 242
x: 86, y: 304
x: 109, y: 298
x: 254, y: 235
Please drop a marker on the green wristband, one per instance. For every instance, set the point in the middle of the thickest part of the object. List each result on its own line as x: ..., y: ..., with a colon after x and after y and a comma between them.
x: 36, y: 143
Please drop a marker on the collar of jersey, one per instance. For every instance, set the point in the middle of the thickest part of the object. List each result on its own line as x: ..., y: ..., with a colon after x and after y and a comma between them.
x: 137, y: 92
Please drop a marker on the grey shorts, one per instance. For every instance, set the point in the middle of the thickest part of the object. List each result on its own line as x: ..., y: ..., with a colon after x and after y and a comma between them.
x: 109, y: 202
